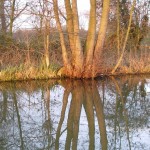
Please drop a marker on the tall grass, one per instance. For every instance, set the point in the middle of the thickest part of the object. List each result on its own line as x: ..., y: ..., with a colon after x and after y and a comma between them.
x: 24, y: 72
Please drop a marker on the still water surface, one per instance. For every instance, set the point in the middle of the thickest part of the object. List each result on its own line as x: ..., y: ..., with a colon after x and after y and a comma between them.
x: 107, y: 114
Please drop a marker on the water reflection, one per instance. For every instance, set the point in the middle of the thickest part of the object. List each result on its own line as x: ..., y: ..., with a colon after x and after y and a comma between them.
x: 94, y: 114
x: 84, y: 94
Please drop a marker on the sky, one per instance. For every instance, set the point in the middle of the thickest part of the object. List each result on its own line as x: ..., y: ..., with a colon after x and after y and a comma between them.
x: 83, y: 6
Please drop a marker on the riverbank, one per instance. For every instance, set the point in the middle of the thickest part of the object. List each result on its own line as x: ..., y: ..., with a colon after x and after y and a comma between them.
x: 22, y: 73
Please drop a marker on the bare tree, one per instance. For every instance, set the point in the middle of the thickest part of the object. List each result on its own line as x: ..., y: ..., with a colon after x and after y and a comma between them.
x: 14, y: 9
x: 42, y: 11
x: 2, y: 16
x: 84, y: 63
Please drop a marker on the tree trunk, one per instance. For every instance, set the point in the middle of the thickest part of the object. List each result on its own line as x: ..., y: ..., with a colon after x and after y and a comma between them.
x: 90, y: 42
x: 46, y: 41
x: 2, y: 16
x: 12, y: 17
x: 78, y: 66
x: 82, y: 62
x: 67, y: 69
x: 101, y: 37
x: 126, y: 39
x: 70, y: 27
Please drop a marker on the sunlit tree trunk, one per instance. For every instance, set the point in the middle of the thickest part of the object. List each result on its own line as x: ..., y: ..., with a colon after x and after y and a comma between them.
x: 83, y: 62
x: 90, y: 42
x: 101, y: 37
x: 46, y: 32
x: 28, y: 45
x: 78, y: 67
x: 70, y: 27
x: 126, y: 39
x: 46, y: 42
x: 66, y: 62
x: 118, y: 28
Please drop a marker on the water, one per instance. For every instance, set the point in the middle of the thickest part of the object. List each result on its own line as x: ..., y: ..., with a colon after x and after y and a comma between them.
x: 110, y: 113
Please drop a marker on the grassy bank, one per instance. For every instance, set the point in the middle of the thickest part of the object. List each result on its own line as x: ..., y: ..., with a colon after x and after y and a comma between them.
x: 20, y: 73
x: 27, y: 73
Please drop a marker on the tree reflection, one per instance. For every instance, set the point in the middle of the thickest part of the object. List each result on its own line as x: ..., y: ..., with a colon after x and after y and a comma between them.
x: 47, y: 125
x: 123, y: 99
x: 128, y: 97
x: 19, y: 121
x: 84, y: 94
x: 75, y: 115
x: 4, y: 104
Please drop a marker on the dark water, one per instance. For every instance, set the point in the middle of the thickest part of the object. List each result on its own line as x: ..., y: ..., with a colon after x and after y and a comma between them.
x: 111, y: 113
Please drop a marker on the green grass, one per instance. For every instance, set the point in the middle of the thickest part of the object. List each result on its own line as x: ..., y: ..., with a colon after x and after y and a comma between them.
x: 23, y: 72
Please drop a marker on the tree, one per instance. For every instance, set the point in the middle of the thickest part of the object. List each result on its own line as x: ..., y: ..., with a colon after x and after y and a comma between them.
x: 126, y: 38
x: 10, y: 10
x: 12, y: 17
x: 85, y: 62
x: 2, y: 16
x: 42, y: 12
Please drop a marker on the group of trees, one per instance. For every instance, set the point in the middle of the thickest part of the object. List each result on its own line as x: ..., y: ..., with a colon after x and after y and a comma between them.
x: 10, y: 10
x: 81, y: 58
